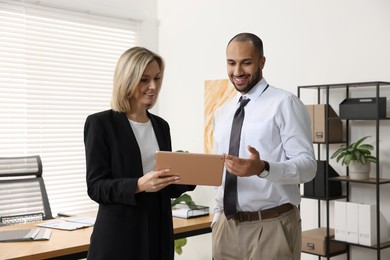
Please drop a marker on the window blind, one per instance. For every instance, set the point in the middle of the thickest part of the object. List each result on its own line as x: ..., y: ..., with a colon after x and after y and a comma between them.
x: 56, y: 68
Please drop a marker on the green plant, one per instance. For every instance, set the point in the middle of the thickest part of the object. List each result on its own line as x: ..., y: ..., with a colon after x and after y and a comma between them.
x: 184, y: 198
x: 179, y: 243
x: 357, y: 151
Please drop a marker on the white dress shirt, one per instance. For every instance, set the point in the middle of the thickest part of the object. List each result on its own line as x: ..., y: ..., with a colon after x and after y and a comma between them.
x: 277, y: 124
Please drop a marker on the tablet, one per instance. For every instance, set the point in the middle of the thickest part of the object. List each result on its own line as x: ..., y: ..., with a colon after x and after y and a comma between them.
x: 193, y: 168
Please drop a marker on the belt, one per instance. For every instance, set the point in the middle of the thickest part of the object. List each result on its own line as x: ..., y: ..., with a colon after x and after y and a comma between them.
x: 264, y: 214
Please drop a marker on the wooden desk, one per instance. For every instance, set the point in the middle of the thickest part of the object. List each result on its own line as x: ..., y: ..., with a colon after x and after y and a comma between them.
x: 191, y: 227
x: 74, y: 244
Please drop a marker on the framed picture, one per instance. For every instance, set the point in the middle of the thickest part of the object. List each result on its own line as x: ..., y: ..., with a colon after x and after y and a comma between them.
x: 216, y: 92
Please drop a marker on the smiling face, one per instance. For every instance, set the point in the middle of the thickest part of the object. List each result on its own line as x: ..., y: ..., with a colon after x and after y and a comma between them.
x: 244, y: 66
x: 149, y: 86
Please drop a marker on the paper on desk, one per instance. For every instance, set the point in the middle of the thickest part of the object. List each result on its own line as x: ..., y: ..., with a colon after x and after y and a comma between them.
x: 83, y: 220
x: 65, y: 225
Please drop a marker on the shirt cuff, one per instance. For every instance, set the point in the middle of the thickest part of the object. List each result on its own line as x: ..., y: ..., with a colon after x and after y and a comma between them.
x: 217, y: 215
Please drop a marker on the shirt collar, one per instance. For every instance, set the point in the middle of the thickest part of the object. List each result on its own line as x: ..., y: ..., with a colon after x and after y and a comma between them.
x: 255, y: 92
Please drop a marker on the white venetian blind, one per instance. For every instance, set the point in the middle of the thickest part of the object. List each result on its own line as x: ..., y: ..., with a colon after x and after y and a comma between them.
x: 56, y: 67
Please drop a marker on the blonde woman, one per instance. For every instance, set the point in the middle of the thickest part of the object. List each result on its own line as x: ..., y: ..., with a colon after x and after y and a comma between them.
x: 134, y: 220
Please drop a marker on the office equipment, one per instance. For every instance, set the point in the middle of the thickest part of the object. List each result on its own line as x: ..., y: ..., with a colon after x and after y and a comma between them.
x: 33, y: 234
x: 23, y: 196
x: 193, y: 168
x: 182, y: 210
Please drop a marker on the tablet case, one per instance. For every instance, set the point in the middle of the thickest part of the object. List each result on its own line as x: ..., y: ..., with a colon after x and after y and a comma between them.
x: 193, y: 168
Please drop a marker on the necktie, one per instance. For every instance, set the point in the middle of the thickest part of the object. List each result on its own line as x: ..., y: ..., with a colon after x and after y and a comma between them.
x: 230, y: 193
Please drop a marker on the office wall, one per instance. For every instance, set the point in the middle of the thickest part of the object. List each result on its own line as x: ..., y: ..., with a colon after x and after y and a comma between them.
x: 305, y: 41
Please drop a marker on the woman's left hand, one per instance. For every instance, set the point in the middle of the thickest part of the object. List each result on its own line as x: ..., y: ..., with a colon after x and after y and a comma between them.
x: 156, y: 180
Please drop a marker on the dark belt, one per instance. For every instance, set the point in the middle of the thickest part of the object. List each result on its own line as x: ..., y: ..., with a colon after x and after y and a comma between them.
x: 264, y: 214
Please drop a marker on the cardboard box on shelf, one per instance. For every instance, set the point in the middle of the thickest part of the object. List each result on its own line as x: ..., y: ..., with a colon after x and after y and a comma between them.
x: 363, y: 108
x: 314, y: 242
x: 318, y: 119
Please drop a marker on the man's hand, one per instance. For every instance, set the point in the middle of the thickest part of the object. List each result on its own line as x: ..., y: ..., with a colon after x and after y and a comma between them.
x: 245, y: 167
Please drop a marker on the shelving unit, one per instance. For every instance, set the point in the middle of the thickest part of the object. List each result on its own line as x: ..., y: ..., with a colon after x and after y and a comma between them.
x: 323, y: 97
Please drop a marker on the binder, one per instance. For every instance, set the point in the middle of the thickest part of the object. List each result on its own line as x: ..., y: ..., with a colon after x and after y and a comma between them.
x: 353, y: 222
x: 340, y: 225
x: 368, y: 225
x: 183, y: 211
x: 316, y: 187
x: 25, y: 235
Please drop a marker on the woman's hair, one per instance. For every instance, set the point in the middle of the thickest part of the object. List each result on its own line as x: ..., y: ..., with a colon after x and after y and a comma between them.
x: 128, y: 72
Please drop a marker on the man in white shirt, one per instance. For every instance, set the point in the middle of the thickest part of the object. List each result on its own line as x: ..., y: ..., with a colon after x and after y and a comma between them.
x: 275, y: 155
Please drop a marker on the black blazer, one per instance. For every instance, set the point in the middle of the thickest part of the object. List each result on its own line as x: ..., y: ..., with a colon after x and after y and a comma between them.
x: 129, y: 225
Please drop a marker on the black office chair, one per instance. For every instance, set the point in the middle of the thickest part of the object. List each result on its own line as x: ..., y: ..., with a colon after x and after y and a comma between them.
x: 23, y: 196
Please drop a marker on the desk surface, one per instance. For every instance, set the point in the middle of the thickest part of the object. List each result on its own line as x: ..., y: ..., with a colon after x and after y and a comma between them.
x: 64, y: 243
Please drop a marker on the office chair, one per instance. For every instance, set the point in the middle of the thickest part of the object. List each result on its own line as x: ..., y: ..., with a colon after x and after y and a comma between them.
x: 23, y: 196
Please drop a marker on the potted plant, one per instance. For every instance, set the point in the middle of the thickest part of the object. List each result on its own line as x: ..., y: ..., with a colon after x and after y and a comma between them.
x: 184, y: 198
x: 357, y: 156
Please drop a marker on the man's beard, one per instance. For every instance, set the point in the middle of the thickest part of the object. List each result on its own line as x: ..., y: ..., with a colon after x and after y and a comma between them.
x: 251, y: 84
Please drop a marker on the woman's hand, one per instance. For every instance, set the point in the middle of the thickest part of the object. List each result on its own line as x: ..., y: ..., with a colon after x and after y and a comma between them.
x: 156, y: 180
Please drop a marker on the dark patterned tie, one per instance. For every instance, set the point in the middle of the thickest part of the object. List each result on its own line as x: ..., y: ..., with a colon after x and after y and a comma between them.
x: 230, y: 194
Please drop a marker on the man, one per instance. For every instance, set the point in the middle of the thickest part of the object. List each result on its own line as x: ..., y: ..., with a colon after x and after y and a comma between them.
x: 266, y: 160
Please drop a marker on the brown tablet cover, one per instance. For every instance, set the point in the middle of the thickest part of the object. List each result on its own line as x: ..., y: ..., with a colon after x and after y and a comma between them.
x: 193, y: 168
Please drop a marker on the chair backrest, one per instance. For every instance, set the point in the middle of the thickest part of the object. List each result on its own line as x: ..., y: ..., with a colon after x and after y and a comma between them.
x: 23, y: 196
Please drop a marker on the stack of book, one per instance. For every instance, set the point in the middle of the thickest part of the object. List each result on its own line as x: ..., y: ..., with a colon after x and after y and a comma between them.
x: 182, y: 210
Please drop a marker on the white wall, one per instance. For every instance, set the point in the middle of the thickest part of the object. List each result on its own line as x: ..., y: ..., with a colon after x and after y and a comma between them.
x: 306, y: 42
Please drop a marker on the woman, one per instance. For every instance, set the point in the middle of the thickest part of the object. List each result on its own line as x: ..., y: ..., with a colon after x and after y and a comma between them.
x: 134, y: 220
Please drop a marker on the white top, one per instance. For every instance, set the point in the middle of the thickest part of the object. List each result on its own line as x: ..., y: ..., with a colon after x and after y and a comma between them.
x: 277, y: 124
x: 147, y: 142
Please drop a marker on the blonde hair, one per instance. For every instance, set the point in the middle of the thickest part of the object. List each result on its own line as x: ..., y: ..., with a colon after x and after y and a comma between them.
x: 128, y: 72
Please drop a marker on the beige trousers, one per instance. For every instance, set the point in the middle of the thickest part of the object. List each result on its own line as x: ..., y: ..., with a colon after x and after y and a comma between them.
x: 270, y: 239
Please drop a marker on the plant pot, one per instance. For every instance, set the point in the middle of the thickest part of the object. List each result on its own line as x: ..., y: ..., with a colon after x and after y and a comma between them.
x: 359, y: 171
